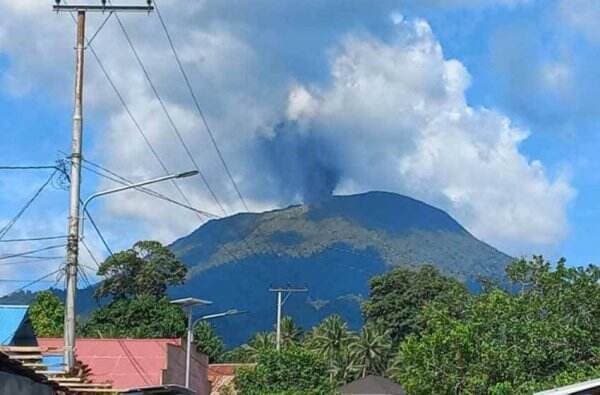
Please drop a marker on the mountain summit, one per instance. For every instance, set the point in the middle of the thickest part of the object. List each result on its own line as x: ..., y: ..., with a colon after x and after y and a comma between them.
x: 331, y: 247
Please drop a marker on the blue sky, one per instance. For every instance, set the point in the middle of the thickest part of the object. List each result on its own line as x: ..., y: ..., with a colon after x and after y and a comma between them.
x: 486, y: 108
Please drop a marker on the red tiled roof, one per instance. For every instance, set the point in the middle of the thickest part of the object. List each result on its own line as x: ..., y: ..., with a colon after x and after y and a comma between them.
x: 125, y: 363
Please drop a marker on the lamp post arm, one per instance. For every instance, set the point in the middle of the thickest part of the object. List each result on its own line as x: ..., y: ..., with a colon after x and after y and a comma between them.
x: 133, y: 186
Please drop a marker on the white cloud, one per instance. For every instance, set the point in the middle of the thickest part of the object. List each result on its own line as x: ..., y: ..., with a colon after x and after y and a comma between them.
x: 391, y: 115
x: 399, y: 115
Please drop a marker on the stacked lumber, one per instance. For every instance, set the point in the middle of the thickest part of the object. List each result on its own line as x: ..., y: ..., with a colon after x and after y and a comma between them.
x: 76, y: 381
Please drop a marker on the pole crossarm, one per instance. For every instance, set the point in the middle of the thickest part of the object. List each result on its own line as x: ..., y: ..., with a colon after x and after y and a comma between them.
x: 288, y: 289
x: 102, y: 8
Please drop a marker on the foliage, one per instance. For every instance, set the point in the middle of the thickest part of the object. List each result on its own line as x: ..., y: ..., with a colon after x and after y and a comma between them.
x: 371, y: 350
x: 208, y: 342
x: 331, y: 340
x: 144, y: 316
x: 147, y: 268
x: 259, y: 344
x: 543, y: 335
x: 293, y: 370
x: 47, y: 314
x: 397, y: 297
x: 291, y: 334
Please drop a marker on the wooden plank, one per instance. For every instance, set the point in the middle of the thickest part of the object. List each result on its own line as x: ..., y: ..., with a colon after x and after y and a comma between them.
x: 23, y: 357
x: 87, y: 385
x: 51, y: 372
x: 20, y: 349
x: 67, y: 379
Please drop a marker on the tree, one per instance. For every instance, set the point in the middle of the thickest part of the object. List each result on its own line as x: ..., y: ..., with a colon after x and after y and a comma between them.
x: 543, y: 335
x: 144, y: 316
x: 208, y: 342
x: 331, y: 340
x: 371, y: 350
x: 397, y: 298
x: 291, y: 371
x: 259, y: 344
x: 291, y: 333
x: 147, y: 268
x: 47, y: 314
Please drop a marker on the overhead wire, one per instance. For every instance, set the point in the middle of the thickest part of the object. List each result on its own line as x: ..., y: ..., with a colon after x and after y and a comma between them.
x: 27, y: 167
x: 37, y: 193
x: 116, y: 178
x: 197, y: 106
x: 9, y: 263
x: 38, y: 280
x: 25, y: 253
x: 124, y: 181
x: 28, y: 239
x: 165, y: 110
x: 133, y: 119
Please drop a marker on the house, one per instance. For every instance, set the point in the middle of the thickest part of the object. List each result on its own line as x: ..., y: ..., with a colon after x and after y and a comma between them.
x: 591, y: 387
x: 134, y: 363
x: 15, y: 326
x: 16, y: 379
x: 372, y: 385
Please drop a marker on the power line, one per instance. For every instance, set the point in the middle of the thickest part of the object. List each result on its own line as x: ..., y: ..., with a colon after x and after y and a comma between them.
x: 38, y: 280
x: 167, y: 114
x: 9, y: 263
x: 98, y: 232
x: 27, y: 167
x: 124, y: 181
x: 25, y: 253
x: 90, y: 253
x: 116, y: 178
x: 42, y: 238
x: 14, y: 220
x: 134, y: 120
x: 198, y: 108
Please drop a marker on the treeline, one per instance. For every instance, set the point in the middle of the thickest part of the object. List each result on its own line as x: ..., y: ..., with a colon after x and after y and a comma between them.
x: 422, y: 329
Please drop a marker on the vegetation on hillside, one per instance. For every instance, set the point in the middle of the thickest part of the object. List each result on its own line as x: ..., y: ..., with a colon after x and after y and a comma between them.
x: 422, y: 329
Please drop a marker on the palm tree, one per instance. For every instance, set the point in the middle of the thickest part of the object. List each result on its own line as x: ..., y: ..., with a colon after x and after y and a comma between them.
x: 371, y: 349
x: 290, y: 332
x: 343, y: 368
x: 329, y: 339
x: 261, y: 342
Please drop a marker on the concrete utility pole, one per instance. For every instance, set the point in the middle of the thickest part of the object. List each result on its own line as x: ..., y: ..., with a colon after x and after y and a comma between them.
x: 280, y: 302
x: 76, y: 154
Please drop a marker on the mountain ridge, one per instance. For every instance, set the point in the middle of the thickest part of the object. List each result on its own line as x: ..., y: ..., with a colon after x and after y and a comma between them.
x: 333, y: 247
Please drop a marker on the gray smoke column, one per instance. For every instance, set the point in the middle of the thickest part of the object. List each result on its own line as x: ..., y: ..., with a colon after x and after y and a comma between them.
x: 299, y: 163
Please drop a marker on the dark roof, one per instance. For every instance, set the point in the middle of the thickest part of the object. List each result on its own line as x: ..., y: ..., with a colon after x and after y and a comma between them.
x: 171, y: 389
x: 372, y: 385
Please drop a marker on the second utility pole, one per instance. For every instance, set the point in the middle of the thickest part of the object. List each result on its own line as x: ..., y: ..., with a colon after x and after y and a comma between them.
x: 75, y: 180
x: 280, y: 302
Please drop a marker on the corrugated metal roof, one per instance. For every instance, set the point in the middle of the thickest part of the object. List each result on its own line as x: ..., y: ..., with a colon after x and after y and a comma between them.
x: 11, y: 320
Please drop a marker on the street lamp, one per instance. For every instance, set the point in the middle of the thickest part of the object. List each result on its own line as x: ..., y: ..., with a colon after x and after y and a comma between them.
x: 133, y: 186
x: 219, y: 315
x: 188, y: 305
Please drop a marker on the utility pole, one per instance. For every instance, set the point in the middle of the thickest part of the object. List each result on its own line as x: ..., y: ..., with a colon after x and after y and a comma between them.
x: 280, y: 302
x: 76, y: 155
